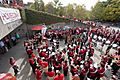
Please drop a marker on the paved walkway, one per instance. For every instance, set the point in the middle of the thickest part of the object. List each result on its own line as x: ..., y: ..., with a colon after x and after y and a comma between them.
x: 20, y: 55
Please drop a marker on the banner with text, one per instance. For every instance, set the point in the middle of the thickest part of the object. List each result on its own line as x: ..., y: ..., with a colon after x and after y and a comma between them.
x: 9, y: 15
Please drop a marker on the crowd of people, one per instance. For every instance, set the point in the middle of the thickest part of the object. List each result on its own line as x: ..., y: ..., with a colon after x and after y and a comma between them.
x: 8, y: 42
x: 76, y: 56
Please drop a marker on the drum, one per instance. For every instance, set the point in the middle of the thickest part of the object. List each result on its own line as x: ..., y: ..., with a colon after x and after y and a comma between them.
x: 114, y: 45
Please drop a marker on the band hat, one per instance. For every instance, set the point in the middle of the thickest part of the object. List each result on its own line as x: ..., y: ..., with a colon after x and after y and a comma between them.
x: 53, y: 53
x: 55, y: 44
x: 50, y: 48
x: 114, y: 45
x: 74, y: 45
x: 107, y: 42
x: 95, y: 65
x: 57, y: 71
x: 44, y: 50
x: 99, y: 37
x: 42, y: 58
x: 81, y: 66
x: 54, y: 41
x: 82, y: 62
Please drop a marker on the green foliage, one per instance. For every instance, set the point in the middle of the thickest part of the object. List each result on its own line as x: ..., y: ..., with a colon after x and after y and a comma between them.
x: 55, y: 7
x: 69, y: 10
x: 35, y: 17
x: 39, y: 5
x: 80, y: 12
x: 50, y: 8
x: 107, y: 11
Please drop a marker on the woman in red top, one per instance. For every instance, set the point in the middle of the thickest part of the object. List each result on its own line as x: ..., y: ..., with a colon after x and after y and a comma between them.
x: 73, y: 70
x: 45, y: 65
x: 57, y: 66
x: 12, y: 61
x: 100, y: 72
x: 32, y: 64
x: 38, y: 74
x: 50, y: 74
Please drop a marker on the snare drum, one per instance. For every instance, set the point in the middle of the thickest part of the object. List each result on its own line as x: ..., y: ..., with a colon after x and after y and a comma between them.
x: 107, y: 42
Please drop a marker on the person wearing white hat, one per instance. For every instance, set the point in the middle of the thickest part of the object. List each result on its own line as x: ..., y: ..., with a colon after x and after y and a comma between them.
x: 100, y: 72
x: 59, y: 76
x: 92, y: 72
x: 45, y: 65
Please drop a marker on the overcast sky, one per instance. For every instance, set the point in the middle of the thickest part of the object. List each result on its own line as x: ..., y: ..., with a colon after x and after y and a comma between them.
x: 87, y: 3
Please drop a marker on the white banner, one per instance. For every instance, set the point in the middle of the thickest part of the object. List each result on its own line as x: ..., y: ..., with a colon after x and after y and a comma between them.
x: 5, y: 29
x: 9, y: 15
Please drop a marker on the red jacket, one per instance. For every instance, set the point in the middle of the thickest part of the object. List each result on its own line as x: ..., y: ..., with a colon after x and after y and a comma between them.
x: 92, y: 72
x: 65, y: 67
x: 50, y: 74
x: 101, y: 71
x: 38, y: 74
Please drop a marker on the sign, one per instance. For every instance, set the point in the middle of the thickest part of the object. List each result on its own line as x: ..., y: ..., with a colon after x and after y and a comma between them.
x: 5, y: 29
x: 9, y: 15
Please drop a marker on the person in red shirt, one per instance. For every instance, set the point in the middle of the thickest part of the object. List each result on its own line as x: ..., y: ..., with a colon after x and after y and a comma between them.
x: 82, y: 74
x: 29, y: 52
x: 33, y: 56
x: 50, y: 74
x: 59, y: 76
x: 57, y: 66
x: 92, y: 73
x: 39, y: 61
x: 100, y: 72
x: 45, y: 65
x: 73, y: 70
x: 65, y: 68
x: 32, y: 64
x: 38, y: 74
x: 43, y: 54
x: 12, y: 61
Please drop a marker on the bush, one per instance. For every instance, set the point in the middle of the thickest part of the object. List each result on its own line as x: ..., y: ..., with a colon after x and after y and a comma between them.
x: 39, y: 17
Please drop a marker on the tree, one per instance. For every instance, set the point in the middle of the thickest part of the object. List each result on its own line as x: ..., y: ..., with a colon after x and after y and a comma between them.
x: 107, y: 11
x: 80, y: 12
x: 98, y: 11
x: 69, y: 10
x: 58, y: 6
x: 112, y: 11
x: 61, y: 11
x: 39, y: 5
x: 50, y: 8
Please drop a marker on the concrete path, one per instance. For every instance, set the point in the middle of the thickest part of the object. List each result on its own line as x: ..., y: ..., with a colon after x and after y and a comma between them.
x: 20, y: 55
